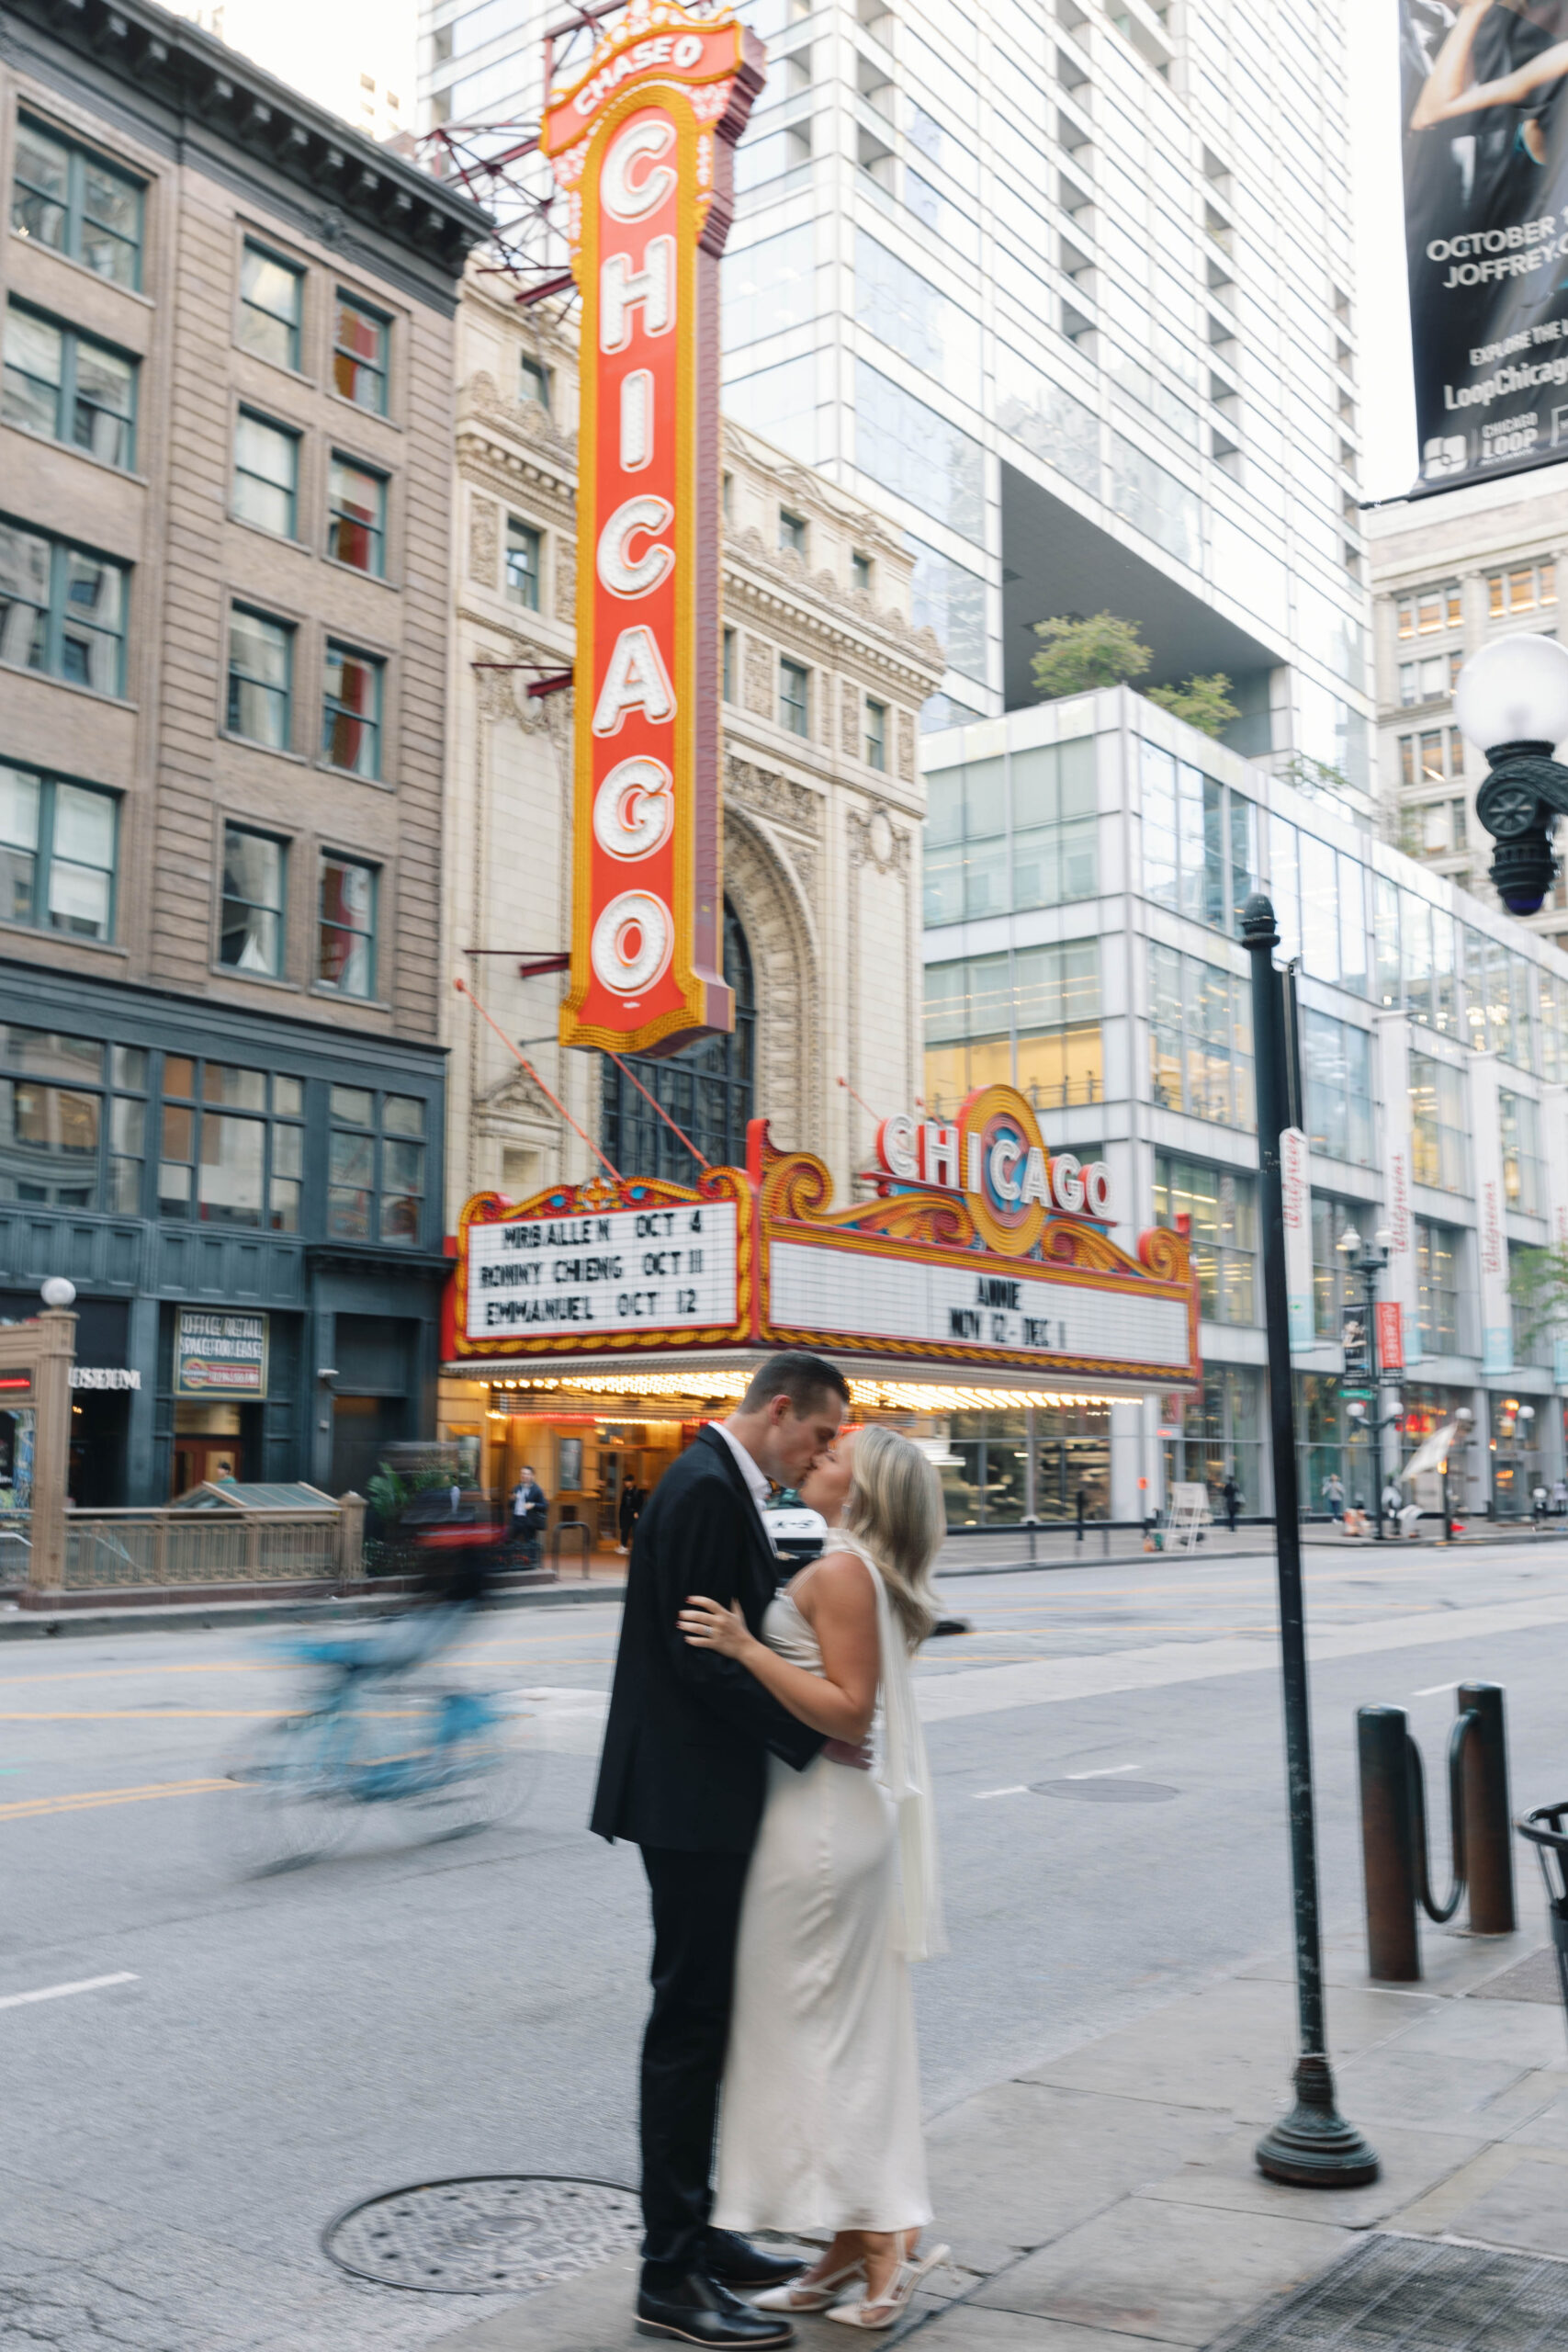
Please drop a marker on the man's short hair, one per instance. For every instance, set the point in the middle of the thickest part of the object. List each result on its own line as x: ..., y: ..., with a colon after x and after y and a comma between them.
x: 804, y: 1379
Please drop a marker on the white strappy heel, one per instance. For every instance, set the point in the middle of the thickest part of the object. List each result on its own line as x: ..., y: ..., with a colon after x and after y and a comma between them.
x: 808, y: 2294
x: 890, y: 2307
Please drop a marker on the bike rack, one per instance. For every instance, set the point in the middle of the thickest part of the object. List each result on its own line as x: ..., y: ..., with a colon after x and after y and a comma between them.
x: 1394, y: 1846
x: 570, y: 1527
x: 1544, y: 1829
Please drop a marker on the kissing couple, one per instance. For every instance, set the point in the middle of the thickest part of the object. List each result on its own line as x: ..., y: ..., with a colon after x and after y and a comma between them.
x: 764, y: 1750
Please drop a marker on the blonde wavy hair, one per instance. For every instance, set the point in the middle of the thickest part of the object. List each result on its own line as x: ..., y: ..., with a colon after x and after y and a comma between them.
x: 894, y: 1507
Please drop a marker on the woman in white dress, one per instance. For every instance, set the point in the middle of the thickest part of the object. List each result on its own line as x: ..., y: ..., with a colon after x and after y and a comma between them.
x: 820, y: 2130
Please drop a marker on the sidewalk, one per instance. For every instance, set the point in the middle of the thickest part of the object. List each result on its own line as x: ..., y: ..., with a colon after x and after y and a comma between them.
x: 1111, y: 2194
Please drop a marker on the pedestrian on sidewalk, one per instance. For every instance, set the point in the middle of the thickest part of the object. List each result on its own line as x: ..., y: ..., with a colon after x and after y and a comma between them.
x: 1334, y: 1496
x: 821, y: 2125
x: 629, y: 1510
x: 689, y: 1746
x: 1393, y: 1502
x: 1231, y: 1493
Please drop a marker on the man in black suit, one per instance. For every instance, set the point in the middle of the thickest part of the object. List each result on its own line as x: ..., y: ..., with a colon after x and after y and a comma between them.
x: 683, y: 1775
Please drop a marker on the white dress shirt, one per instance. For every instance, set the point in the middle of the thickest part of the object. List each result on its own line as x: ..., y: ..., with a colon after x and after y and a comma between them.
x: 757, y: 1482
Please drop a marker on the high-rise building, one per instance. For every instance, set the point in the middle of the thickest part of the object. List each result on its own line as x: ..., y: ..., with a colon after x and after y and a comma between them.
x: 1068, y: 291
x: 1450, y: 574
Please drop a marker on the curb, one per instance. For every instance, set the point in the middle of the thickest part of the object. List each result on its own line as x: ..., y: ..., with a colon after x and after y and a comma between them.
x: 23, y: 1625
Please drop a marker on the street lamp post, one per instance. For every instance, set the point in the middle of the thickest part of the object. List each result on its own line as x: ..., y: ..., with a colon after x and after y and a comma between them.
x: 1312, y: 2147
x: 1369, y: 1259
x: 1511, y: 702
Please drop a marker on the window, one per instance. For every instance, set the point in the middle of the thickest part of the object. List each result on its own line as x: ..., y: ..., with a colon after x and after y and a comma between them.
x: 862, y: 574
x: 795, y: 697
x: 917, y: 455
x: 261, y: 665
x: 62, y: 610
x: 876, y: 735
x: 222, y: 1159
x: 792, y: 533
x: 1200, y: 1039
x: 345, y: 951
x: 251, y: 938
x: 57, y: 854
x: 1048, y: 793
x: 1429, y: 946
x: 69, y: 200
x: 709, y: 1089
x: 1430, y: 610
x: 1524, y: 1176
x: 1529, y: 588
x: 1336, y: 1077
x: 1441, y: 1152
x: 1201, y: 855
x: 1434, y: 757
x: 50, y: 1136
x: 365, y: 1202
x: 1320, y: 897
x: 523, y: 567
x: 1437, y: 1287
x: 360, y: 338
x: 1223, y: 1206
x: 266, y: 474
x: 1030, y: 1020
x: 272, y: 301
x: 726, y: 497
x: 534, y: 383
x: 1430, y: 680
x: 356, y: 526
x: 351, y: 711
x: 69, y: 387
x: 727, y: 681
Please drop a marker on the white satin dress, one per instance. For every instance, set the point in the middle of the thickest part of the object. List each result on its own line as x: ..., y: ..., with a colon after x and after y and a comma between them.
x: 820, y: 2124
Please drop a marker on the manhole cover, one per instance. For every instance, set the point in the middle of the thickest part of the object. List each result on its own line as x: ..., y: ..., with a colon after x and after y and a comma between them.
x: 1108, y: 1792
x: 492, y: 2235
x: 1416, y: 2292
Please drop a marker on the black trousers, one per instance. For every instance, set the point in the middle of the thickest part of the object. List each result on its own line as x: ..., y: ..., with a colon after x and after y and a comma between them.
x: 696, y: 1913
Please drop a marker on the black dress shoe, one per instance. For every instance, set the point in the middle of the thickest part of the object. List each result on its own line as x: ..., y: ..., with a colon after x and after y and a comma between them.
x: 697, y: 2309
x: 738, y: 2264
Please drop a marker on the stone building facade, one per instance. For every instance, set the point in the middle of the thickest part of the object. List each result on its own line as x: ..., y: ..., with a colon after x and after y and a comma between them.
x: 224, y: 605
x: 823, y: 678
x: 1450, y: 573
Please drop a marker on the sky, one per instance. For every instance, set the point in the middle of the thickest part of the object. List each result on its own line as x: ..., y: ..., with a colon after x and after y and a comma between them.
x: 320, y: 47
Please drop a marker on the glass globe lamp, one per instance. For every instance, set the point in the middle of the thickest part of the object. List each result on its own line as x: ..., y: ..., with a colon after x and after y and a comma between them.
x: 1515, y: 693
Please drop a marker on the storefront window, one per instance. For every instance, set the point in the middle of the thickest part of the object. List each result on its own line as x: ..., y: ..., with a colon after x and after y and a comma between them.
x: 66, y: 1141
x: 222, y: 1159
x: 1220, y: 1437
x: 985, y: 1474
x: 1438, y: 1250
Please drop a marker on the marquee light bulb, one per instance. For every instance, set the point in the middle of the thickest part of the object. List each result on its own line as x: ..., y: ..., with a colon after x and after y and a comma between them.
x: 1515, y: 691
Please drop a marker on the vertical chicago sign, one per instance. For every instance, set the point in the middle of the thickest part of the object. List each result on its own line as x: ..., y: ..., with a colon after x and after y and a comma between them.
x: 642, y: 147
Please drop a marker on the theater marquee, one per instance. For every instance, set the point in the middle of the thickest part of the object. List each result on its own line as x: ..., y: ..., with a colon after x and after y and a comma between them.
x: 642, y: 147
x: 931, y: 1272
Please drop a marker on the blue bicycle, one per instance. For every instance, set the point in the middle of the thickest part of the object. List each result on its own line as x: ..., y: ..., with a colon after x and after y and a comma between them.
x: 378, y: 1732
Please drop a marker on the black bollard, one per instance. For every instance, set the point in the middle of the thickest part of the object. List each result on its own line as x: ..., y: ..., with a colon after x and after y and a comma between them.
x: 1488, y: 1823
x: 1387, y: 1848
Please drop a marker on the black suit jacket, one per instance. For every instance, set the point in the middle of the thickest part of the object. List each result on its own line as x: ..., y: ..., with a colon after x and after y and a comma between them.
x: 686, y: 1746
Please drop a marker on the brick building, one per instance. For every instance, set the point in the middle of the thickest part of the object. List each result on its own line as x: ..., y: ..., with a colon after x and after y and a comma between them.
x: 228, y: 336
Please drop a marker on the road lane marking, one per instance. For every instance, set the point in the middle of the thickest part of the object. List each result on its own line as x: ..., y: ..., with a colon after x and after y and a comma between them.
x: 1434, y: 1690
x: 1106, y: 1772
x: 1018, y: 1789
x: 60, y: 1992
x: 86, y: 1800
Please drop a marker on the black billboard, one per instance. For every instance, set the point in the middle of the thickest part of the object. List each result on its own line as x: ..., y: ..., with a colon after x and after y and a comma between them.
x: 1483, y: 93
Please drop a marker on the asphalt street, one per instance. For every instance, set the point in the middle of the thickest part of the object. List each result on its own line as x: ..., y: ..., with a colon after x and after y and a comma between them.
x: 251, y: 2056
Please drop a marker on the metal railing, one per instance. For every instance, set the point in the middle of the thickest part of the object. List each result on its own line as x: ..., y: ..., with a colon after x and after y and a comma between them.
x: 110, y: 1550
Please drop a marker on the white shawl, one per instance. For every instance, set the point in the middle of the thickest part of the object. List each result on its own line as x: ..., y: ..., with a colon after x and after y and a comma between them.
x: 905, y: 1773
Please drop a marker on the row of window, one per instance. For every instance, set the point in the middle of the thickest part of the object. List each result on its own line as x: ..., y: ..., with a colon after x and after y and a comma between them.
x: 1522, y: 589
x: 1027, y: 1017
x: 267, y: 493
x: 259, y: 705
x: 794, y: 709
x: 1006, y: 834
x: 254, y: 923
x: 70, y: 198
x: 81, y: 1123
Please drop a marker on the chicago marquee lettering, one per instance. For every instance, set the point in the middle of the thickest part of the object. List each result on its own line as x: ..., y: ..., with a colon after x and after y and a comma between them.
x: 642, y: 146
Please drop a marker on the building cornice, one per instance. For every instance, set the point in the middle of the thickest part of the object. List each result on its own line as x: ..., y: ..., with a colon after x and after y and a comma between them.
x: 212, y: 102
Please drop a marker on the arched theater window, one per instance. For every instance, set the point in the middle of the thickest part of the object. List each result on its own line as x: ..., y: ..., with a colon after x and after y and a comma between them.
x: 709, y: 1090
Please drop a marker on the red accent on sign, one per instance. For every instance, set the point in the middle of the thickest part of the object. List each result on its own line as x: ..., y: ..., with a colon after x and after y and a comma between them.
x: 15, y: 1380
x: 1390, y: 1335
x: 642, y: 148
